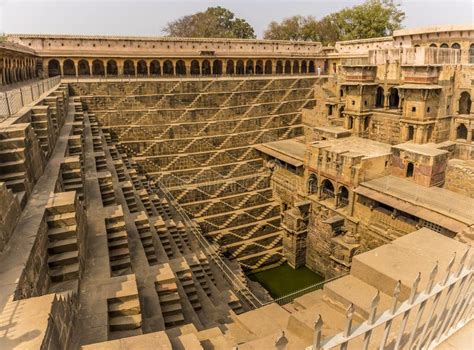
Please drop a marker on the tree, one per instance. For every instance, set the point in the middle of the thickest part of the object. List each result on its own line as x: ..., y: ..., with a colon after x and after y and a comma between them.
x: 215, y: 22
x: 373, y: 18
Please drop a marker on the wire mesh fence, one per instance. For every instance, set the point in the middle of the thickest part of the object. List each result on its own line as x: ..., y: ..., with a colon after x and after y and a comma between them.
x: 13, y: 100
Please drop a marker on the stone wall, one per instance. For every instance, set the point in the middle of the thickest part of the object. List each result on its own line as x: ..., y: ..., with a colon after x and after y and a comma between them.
x: 9, y: 213
x: 34, y: 280
x: 460, y: 177
x: 61, y: 322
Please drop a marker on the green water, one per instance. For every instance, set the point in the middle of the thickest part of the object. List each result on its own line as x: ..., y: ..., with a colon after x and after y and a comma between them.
x: 283, y: 280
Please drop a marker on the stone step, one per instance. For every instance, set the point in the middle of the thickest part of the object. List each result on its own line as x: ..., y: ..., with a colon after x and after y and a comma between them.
x: 116, y: 244
x: 171, y: 309
x: 118, y: 253
x: 8, y: 155
x: 61, y: 220
x: 64, y: 273
x: 118, y: 235
x: 348, y: 289
x: 174, y: 320
x: 403, y: 258
x: 123, y: 323
x: 62, y: 246
x: 62, y: 233
x: 62, y: 259
x: 12, y: 176
x: 119, y: 264
x: 18, y: 185
x: 124, y: 308
x: 169, y: 298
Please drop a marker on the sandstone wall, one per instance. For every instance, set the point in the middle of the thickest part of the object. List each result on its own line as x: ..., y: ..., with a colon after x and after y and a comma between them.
x: 460, y: 177
x: 9, y: 213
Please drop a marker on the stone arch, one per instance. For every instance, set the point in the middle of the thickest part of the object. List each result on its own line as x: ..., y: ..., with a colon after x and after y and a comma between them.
x: 180, y: 67
x: 168, y: 68
x: 311, y: 68
x: 128, y: 67
x: 471, y: 54
x: 379, y: 97
x: 195, y: 68
x: 230, y: 69
x: 249, y: 67
x: 394, y: 98
x: 296, y: 67
x: 142, y: 68
x: 98, y: 67
x: 343, y: 196
x: 259, y: 67
x: 54, y: 68
x: 444, y: 46
x: 83, y: 67
x: 287, y: 67
x: 327, y: 189
x: 465, y: 103
x: 456, y: 46
x: 240, y: 68
x: 279, y: 67
x: 410, y: 169
x: 312, y: 184
x: 433, y: 45
x: 155, y: 68
x: 69, y: 68
x: 217, y: 67
x: 112, y: 67
x: 206, y: 67
x: 461, y: 132
x: 304, y: 67
x: 268, y: 67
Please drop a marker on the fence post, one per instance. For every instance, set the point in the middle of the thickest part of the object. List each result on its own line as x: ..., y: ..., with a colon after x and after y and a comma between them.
x: 318, y: 325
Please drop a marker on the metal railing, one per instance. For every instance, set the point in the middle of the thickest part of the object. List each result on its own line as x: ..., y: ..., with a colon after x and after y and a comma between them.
x: 449, y: 306
x: 286, y: 299
x: 237, y: 284
x: 13, y: 100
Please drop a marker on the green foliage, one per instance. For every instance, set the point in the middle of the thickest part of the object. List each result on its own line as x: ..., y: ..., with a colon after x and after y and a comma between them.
x: 215, y: 22
x: 374, y: 18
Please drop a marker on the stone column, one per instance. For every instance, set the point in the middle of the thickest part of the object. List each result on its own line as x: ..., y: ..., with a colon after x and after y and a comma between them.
x: 469, y: 136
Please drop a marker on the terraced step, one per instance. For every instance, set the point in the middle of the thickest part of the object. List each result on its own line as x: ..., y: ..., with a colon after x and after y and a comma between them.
x: 63, y: 245
x: 64, y: 273
x: 61, y: 259
x: 125, y: 308
x: 123, y: 323
x: 62, y: 233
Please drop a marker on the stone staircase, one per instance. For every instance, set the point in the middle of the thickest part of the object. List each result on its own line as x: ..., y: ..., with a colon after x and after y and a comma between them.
x: 65, y: 232
x: 117, y: 242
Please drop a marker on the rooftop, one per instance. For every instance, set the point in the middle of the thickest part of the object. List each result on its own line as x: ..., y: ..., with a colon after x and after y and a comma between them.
x: 355, y: 146
x: 435, y: 29
x: 289, y: 151
x: 427, y: 149
x: 429, y: 203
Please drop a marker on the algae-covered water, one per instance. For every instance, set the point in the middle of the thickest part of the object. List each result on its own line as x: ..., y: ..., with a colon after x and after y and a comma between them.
x: 283, y: 280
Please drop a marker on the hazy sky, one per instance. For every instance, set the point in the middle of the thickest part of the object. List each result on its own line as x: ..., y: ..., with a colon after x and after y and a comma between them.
x: 147, y: 17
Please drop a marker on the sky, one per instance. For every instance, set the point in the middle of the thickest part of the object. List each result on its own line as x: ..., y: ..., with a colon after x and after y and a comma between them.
x: 147, y: 17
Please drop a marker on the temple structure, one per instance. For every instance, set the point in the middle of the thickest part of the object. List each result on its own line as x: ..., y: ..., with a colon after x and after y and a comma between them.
x: 142, y: 179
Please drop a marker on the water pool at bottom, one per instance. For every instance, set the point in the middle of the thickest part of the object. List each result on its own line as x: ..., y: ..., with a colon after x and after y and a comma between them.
x: 283, y: 280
